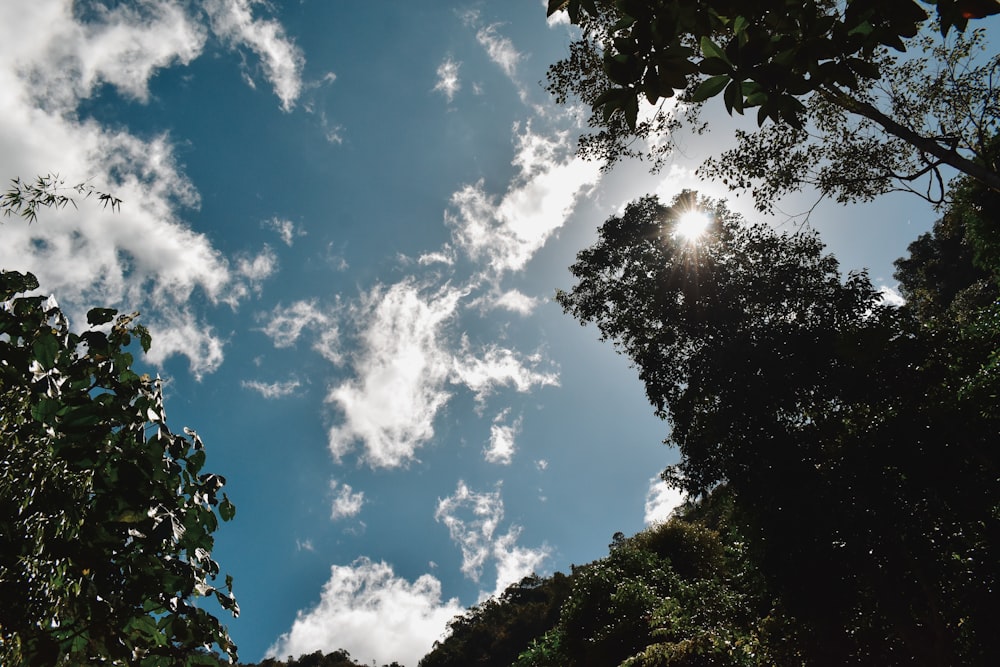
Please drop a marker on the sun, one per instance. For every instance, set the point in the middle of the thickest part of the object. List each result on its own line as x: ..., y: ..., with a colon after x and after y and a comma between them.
x: 691, y: 225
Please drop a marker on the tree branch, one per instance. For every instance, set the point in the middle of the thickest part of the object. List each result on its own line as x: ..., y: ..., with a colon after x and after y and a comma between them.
x: 949, y: 156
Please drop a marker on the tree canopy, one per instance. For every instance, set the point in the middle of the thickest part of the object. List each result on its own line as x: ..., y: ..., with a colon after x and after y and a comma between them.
x: 845, y: 114
x: 856, y: 437
x: 106, y: 515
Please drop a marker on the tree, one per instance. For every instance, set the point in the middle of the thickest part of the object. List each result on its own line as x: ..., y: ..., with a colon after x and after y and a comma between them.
x: 494, y: 632
x: 863, y: 474
x: 679, y: 593
x: 106, y: 515
x: 836, y: 110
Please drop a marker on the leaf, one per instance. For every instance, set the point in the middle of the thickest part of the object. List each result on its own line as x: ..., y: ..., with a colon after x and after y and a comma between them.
x: 45, y: 410
x: 734, y: 97
x: 710, y: 88
x: 45, y: 349
x: 99, y: 316
x: 710, y: 50
x: 227, y: 510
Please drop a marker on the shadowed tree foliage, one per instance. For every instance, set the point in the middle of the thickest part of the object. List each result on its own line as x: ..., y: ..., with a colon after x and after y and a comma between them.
x: 493, y: 633
x: 106, y: 515
x: 862, y: 465
x: 836, y: 109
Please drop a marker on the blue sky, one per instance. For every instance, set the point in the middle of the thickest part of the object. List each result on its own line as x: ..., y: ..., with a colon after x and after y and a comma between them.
x: 344, y: 223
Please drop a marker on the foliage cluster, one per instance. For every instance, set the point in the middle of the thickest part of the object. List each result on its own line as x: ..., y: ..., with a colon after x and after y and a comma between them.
x: 106, y: 514
x: 857, y: 438
x: 840, y: 108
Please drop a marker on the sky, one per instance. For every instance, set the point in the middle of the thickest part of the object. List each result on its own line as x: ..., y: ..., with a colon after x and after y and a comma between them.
x: 344, y: 224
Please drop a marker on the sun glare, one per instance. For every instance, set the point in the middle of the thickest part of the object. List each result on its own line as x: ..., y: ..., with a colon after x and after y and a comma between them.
x: 691, y: 225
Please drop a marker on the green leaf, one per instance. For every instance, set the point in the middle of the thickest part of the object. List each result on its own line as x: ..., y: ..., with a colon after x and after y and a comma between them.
x: 710, y: 50
x: 226, y: 509
x: 45, y: 410
x: 98, y: 316
x: 710, y: 88
x: 45, y: 349
x: 734, y: 97
x: 196, y: 461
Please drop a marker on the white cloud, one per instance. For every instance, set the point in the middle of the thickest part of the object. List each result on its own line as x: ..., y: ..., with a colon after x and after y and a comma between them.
x: 346, y: 503
x: 891, y: 297
x: 282, y: 61
x: 145, y: 257
x: 285, y: 228
x: 407, y: 355
x: 180, y: 332
x: 445, y: 257
x: 367, y: 610
x: 517, y: 302
x: 401, y: 364
x: 506, y: 235
x: 500, y: 49
x: 272, y: 389
x: 515, y: 563
x: 541, y: 464
x: 496, y: 366
x: 661, y: 501
x: 285, y: 324
x: 501, y: 448
x: 447, y: 81
x: 477, y: 536
x: 257, y: 268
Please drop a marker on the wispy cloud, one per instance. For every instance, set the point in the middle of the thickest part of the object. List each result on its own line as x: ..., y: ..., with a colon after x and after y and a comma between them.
x: 506, y: 234
x: 285, y: 324
x: 447, y: 78
x: 346, y: 502
x: 408, y: 355
x: 661, y: 501
x: 233, y: 21
x: 502, y: 447
x: 500, y: 49
x: 517, y: 302
x: 256, y: 268
x: 270, y: 390
x: 484, y: 372
x: 473, y: 519
x: 286, y: 230
x: 372, y: 613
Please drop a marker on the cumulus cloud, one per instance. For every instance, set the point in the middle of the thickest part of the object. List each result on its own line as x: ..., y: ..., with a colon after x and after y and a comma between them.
x: 367, y: 610
x: 505, y: 235
x: 400, y: 369
x: 473, y: 519
x: 281, y: 60
x: 346, y: 502
x: 661, y: 501
x: 145, y: 257
x: 272, y: 389
x: 447, y: 78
